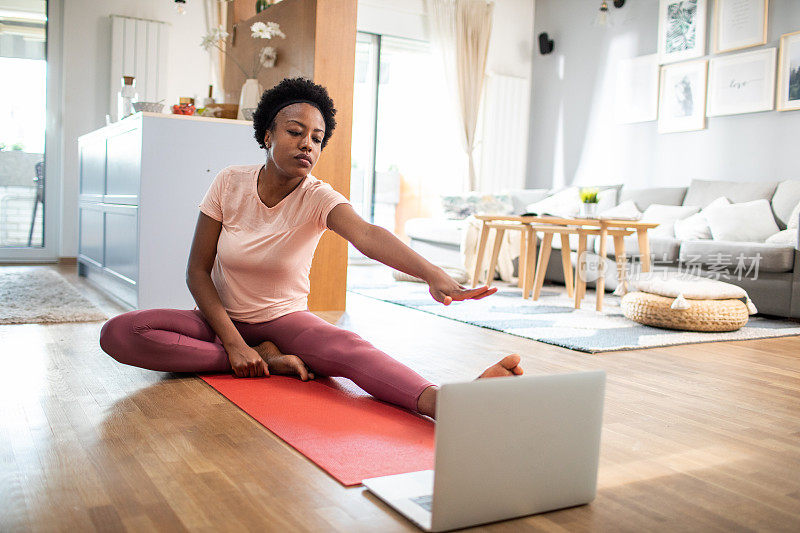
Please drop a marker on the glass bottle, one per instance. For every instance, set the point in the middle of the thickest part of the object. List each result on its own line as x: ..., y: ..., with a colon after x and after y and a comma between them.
x: 127, y: 97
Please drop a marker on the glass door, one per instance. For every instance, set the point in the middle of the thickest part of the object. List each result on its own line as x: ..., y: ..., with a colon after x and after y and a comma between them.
x: 406, y: 149
x: 25, y: 200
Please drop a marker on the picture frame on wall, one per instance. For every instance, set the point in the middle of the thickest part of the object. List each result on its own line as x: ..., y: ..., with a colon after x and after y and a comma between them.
x: 636, y: 95
x: 682, y: 102
x: 742, y: 83
x: 789, y: 72
x: 739, y: 24
x: 681, y: 30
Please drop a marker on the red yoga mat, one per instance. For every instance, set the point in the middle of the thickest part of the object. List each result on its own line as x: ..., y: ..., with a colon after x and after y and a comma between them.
x: 338, y: 426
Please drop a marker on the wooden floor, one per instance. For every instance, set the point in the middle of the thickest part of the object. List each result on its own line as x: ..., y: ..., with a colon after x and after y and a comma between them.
x: 695, y: 438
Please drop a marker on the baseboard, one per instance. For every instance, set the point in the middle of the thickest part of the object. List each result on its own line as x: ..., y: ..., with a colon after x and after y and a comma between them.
x: 67, y: 260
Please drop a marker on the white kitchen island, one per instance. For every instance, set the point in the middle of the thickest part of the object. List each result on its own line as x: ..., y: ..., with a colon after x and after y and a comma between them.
x: 140, y: 182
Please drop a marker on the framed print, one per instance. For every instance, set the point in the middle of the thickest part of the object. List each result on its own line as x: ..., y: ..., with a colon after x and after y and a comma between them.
x: 636, y: 97
x: 739, y: 24
x: 681, y: 30
x: 789, y: 72
x: 682, y: 105
x: 742, y: 83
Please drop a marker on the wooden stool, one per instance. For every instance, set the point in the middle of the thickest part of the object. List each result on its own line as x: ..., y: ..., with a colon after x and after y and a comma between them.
x: 544, y: 256
x: 527, y: 250
x: 619, y: 256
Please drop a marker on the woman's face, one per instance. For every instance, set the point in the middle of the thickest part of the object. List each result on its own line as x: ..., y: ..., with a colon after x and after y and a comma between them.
x: 295, y: 142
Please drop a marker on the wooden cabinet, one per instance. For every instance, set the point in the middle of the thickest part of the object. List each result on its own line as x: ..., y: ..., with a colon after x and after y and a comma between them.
x: 141, y: 180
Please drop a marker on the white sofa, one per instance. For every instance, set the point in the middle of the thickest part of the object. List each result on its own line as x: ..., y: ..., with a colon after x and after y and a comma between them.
x: 775, y: 290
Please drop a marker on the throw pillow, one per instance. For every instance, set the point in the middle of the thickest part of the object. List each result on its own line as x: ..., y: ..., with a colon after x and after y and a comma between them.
x: 692, y: 287
x: 606, y: 199
x: 566, y: 203
x: 787, y: 237
x: 520, y: 198
x: 627, y: 210
x: 745, y: 222
x: 666, y: 215
x: 457, y: 206
x: 792, y: 224
x: 494, y: 204
x: 696, y: 226
x: 460, y: 206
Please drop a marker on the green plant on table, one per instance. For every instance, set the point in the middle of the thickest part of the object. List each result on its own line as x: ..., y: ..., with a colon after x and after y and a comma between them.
x: 589, y: 196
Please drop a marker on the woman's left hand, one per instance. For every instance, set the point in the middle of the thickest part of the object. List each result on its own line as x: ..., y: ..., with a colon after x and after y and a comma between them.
x: 445, y: 289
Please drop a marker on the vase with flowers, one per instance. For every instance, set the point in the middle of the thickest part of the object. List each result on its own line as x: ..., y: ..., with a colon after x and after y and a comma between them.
x: 264, y: 57
x: 589, y: 202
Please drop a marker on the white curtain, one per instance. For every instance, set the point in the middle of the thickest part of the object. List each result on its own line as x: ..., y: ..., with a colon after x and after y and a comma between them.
x: 216, y: 15
x: 461, y: 30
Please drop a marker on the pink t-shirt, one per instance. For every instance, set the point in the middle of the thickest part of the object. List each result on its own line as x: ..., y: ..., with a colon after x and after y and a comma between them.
x: 264, y: 253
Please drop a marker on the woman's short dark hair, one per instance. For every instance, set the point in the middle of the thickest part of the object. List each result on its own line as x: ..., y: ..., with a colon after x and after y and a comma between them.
x: 293, y: 90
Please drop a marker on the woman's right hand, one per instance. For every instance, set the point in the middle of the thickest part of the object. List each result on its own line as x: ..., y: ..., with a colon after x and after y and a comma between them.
x: 246, y: 363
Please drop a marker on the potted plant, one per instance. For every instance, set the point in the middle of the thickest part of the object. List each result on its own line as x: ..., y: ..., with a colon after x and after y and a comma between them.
x: 265, y: 57
x: 589, y: 202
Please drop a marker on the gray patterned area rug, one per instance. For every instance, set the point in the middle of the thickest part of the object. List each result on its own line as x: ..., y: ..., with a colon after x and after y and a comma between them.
x: 554, y: 320
x: 41, y: 296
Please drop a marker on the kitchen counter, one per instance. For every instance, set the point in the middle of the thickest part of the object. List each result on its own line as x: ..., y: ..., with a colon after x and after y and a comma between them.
x: 141, y: 180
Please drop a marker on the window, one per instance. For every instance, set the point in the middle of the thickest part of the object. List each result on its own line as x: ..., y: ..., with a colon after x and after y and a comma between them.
x: 407, y: 149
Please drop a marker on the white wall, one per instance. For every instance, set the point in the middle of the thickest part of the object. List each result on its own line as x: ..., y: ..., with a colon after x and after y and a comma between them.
x: 86, y: 59
x: 574, y: 137
x: 399, y: 18
x: 511, y: 47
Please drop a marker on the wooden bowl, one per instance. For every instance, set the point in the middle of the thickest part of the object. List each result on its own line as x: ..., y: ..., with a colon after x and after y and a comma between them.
x: 222, y: 111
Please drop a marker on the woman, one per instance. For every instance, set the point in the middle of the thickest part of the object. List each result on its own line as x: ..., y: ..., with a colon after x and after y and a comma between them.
x: 248, y: 269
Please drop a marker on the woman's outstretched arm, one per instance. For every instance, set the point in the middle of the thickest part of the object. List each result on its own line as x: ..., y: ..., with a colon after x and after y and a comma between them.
x: 380, y: 244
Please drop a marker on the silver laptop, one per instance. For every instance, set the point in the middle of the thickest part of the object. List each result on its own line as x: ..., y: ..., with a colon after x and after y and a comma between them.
x: 505, y: 447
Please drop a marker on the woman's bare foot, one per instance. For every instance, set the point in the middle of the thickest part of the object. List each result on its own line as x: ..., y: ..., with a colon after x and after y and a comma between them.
x: 282, y: 364
x: 507, y: 366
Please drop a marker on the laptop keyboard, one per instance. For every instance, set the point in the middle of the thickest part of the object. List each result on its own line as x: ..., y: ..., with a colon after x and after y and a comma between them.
x: 426, y: 502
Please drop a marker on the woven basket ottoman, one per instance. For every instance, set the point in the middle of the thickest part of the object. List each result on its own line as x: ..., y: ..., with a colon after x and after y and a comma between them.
x: 687, y: 303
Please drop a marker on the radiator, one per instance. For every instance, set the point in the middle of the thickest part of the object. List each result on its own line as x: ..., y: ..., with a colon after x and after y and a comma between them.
x: 504, y: 146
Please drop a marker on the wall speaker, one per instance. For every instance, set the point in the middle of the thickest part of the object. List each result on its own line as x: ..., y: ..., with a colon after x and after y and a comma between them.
x: 545, y: 43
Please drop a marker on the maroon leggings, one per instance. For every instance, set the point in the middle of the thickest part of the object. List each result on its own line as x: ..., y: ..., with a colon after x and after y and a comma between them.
x: 173, y: 340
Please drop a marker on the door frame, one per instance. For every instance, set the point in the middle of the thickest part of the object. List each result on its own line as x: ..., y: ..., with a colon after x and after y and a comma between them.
x: 53, y: 149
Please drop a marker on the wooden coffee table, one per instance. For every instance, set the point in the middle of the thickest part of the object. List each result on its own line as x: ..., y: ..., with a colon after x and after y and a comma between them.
x: 604, y: 225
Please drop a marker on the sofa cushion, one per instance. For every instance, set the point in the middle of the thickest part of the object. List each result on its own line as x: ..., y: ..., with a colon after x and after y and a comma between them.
x: 703, y: 192
x: 787, y: 237
x: 728, y: 255
x: 565, y: 203
x: 745, y: 222
x: 627, y: 210
x: 520, y: 198
x: 784, y: 202
x: 660, y: 195
x: 666, y: 215
x: 663, y: 250
x: 437, y: 230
